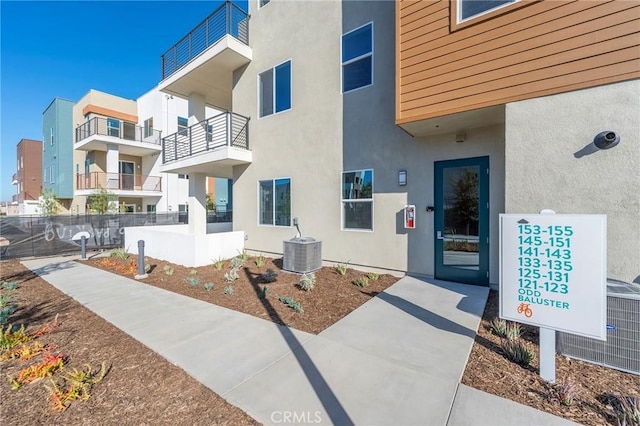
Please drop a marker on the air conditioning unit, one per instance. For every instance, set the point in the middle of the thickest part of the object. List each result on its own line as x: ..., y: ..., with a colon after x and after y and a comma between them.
x: 622, y: 347
x: 302, y: 255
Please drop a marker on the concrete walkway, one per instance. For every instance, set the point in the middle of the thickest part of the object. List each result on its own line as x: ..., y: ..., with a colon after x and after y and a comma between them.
x: 396, y: 360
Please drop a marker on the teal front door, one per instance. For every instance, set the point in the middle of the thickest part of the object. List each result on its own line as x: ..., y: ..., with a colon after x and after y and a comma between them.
x: 462, y: 220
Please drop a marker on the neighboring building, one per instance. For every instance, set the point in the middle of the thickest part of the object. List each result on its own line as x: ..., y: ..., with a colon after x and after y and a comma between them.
x: 462, y: 112
x: 28, y: 177
x: 57, y: 150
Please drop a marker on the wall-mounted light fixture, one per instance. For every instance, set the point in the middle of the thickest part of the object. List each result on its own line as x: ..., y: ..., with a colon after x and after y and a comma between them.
x: 461, y: 137
x: 606, y: 139
x: 402, y: 177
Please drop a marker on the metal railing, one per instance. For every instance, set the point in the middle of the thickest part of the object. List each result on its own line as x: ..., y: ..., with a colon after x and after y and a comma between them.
x: 226, y: 19
x: 225, y: 129
x: 14, y: 179
x: 118, y: 181
x: 119, y: 129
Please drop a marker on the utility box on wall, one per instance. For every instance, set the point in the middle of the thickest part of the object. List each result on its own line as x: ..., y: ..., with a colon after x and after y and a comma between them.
x: 302, y: 255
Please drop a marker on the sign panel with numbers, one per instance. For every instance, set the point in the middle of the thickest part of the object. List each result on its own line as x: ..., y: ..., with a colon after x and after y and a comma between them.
x: 553, y: 272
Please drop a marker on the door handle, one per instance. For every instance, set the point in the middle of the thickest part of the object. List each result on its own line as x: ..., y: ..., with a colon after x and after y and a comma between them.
x: 439, y: 235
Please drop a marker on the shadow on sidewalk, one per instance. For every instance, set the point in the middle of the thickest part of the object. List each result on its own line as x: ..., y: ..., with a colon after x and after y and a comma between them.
x: 329, y: 401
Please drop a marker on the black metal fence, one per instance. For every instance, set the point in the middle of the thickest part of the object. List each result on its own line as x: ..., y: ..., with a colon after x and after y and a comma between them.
x: 35, y: 236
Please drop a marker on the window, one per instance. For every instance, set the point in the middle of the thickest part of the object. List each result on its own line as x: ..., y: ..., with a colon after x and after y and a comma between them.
x: 51, y: 136
x: 181, y: 176
x: 183, y: 126
x: 357, y: 58
x: 275, y: 202
x: 468, y: 9
x: 113, y: 127
x: 275, y: 89
x: 21, y: 161
x: 148, y: 127
x: 51, y: 180
x: 262, y: 3
x: 357, y: 200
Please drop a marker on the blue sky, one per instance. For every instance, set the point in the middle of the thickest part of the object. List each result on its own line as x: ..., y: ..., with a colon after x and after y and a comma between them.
x: 63, y: 49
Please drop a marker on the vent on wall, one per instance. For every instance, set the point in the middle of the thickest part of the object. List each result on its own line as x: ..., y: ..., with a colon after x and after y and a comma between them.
x: 622, y: 347
x: 302, y: 255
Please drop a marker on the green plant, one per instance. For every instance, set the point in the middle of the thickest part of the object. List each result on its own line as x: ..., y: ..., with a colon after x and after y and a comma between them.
x: 517, y: 351
x: 269, y: 276
x: 626, y: 408
x: 565, y: 391
x: 260, y: 260
x: 10, y: 285
x: 243, y: 255
x: 307, y: 281
x: 120, y: 253
x: 193, y: 281
x: 49, y: 203
x: 168, y: 270
x: 193, y: 272
x: 341, y: 268
x: 50, y: 364
x: 228, y: 290
x: 8, y: 306
x: 361, y: 281
x: 373, y: 276
x: 264, y: 293
x: 103, y: 201
x: 505, y: 329
x: 78, y: 382
x: 231, y: 276
x: 209, y: 286
x: 288, y: 300
x: 10, y: 338
x: 218, y: 264
x: 236, y: 263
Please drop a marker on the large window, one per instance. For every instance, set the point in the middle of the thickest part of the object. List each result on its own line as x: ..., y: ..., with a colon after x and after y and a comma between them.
x: 183, y: 126
x: 357, y: 200
x: 357, y: 58
x: 275, y: 89
x: 113, y: 127
x: 468, y: 9
x: 148, y: 127
x: 275, y: 202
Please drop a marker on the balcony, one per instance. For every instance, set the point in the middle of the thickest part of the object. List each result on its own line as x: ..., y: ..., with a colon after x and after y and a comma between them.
x: 14, y: 179
x: 203, y: 61
x: 121, y: 184
x: 97, y: 133
x: 212, y: 146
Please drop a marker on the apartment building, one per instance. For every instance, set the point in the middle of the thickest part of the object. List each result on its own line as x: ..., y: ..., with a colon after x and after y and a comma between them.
x: 28, y: 176
x: 374, y: 107
x: 57, y: 150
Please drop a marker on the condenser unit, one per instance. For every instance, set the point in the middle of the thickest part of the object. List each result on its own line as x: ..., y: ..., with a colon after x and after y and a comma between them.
x: 621, y: 350
x: 302, y: 255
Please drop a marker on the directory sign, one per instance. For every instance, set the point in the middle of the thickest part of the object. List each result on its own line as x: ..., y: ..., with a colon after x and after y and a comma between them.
x: 553, y: 272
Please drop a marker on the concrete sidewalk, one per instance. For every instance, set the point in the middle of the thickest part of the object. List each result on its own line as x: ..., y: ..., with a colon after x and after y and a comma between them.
x: 396, y: 360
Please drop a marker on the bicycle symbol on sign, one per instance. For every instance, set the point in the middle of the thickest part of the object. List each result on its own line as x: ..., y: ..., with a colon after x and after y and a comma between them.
x: 524, y: 308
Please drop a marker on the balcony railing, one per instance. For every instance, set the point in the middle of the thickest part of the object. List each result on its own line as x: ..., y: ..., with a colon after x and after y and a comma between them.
x: 119, y: 129
x: 14, y: 179
x: 118, y: 181
x: 226, y: 19
x: 226, y: 129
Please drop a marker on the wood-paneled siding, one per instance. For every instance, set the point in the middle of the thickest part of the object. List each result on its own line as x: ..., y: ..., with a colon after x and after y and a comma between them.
x: 542, y: 48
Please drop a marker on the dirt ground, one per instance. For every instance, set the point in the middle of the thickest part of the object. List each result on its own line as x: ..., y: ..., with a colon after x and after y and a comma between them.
x: 489, y: 370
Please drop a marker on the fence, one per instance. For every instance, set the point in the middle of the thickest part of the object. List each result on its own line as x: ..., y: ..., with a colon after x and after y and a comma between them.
x: 36, y: 236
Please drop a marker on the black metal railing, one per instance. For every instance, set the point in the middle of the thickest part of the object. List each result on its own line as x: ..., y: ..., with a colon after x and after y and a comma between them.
x: 119, y: 129
x: 225, y: 129
x: 226, y: 19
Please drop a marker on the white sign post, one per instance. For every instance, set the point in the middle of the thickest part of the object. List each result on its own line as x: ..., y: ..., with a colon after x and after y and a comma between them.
x: 553, y: 276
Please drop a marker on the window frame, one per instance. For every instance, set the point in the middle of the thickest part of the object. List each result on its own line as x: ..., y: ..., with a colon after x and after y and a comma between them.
x: 148, y: 127
x: 263, y: 3
x: 455, y: 11
x: 51, y: 180
x: 356, y: 200
x: 275, y: 88
x: 359, y: 58
x: 184, y: 129
x: 110, y: 127
x: 273, y: 208
x: 51, y: 137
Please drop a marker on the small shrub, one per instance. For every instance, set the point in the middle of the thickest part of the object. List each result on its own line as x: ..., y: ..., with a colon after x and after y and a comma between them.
x: 209, y: 286
x: 236, y: 263
x: 119, y: 253
x: 264, y: 293
x: 341, y: 268
x: 308, y: 282
x: 26, y: 351
x: 10, y: 339
x: 78, y: 382
x: 218, y: 264
x: 565, y: 392
x: 288, y: 300
x: 517, y: 352
x: 228, y: 290
x: 50, y: 364
x: 373, y: 276
x: 231, y: 276
x: 269, y: 276
x: 168, y: 270
x: 193, y: 281
x: 626, y: 408
x: 193, y: 272
x: 361, y: 281
x: 8, y: 306
x: 10, y: 285
x: 147, y: 267
x: 243, y: 255
x: 260, y: 261
x: 505, y: 329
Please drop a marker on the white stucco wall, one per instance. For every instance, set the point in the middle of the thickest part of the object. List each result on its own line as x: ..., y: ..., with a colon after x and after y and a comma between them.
x: 552, y: 163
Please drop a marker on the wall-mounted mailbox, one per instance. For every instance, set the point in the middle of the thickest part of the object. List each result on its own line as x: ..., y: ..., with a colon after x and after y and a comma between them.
x: 410, y: 216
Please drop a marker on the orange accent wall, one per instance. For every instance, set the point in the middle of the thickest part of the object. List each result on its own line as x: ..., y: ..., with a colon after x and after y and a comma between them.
x: 94, y: 109
x: 535, y: 49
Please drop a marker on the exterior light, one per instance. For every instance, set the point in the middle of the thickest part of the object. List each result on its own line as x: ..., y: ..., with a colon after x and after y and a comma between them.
x: 402, y: 177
